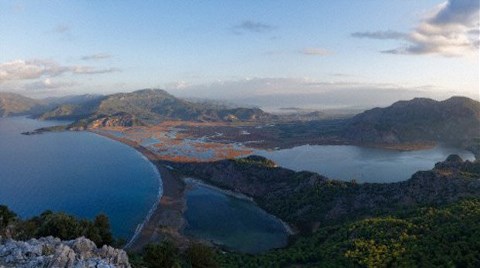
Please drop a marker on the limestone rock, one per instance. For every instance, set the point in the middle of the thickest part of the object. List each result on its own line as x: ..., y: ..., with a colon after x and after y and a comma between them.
x: 52, y: 252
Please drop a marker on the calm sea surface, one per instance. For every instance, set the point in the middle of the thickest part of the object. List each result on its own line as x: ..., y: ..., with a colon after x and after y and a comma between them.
x: 77, y: 172
x: 235, y: 223
x: 345, y: 162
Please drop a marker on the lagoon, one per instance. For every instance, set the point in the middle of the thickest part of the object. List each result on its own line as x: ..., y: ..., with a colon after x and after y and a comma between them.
x: 233, y: 222
x: 363, y: 164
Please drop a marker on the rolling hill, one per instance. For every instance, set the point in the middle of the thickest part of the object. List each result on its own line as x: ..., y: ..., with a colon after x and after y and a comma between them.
x: 455, y: 120
x: 151, y: 106
x: 15, y: 104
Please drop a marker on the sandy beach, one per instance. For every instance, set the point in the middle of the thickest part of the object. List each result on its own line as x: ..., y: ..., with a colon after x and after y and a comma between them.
x: 166, y: 220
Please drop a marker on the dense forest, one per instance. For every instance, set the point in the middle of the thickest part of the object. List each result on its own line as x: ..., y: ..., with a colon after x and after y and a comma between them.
x: 445, y: 236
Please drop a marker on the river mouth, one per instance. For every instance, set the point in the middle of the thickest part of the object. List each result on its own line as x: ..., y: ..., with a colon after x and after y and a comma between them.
x: 234, y: 223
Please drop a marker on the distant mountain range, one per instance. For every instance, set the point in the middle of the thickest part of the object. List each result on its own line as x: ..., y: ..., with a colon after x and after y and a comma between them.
x: 147, y: 105
x: 454, y: 120
x: 15, y: 104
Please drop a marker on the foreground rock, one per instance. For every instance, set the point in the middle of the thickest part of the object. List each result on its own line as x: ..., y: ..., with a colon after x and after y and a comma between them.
x: 52, y: 252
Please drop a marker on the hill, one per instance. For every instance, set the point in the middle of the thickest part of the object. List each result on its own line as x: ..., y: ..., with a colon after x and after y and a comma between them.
x: 151, y: 106
x: 307, y: 199
x: 72, y: 99
x: 455, y: 120
x: 345, y: 224
x: 15, y: 104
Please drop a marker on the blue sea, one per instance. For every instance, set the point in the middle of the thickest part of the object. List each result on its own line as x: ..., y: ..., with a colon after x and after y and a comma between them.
x: 80, y: 173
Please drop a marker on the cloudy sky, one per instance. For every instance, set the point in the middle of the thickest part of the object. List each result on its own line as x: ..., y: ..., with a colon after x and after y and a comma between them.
x: 270, y: 53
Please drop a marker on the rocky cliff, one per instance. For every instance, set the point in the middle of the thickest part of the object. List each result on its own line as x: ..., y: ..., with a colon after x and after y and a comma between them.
x: 52, y: 252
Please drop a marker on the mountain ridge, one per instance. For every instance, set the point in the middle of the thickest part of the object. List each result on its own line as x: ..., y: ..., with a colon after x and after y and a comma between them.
x: 152, y: 106
x: 16, y: 104
x: 454, y: 120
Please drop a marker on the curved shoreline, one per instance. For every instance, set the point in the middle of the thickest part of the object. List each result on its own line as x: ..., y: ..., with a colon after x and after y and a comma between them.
x: 241, y: 196
x: 165, y: 218
x: 152, y: 210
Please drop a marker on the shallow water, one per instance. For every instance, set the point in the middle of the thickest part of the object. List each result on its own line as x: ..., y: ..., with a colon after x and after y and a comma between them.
x: 345, y: 162
x: 80, y: 173
x: 235, y: 223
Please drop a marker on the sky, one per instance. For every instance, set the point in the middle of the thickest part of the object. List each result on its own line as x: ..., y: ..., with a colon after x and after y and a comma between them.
x: 314, y: 54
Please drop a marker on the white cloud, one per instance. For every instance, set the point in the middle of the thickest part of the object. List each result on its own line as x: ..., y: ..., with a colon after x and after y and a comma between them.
x: 253, y: 27
x: 91, y: 70
x: 48, y: 84
x: 449, y: 31
x: 381, y: 35
x: 38, y: 68
x: 316, y: 51
x: 98, y: 56
x: 29, y: 69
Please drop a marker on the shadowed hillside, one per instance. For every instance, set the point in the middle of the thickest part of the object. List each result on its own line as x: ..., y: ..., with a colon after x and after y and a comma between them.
x: 15, y: 104
x: 152, y: 106
x: 455, y: 120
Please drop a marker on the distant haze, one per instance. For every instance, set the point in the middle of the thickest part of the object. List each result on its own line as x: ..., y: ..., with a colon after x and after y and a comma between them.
x: 271, y: 94
x: 309, y: 53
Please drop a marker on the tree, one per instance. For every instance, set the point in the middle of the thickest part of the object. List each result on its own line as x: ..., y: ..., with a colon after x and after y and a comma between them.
x: 60, y: 225
x: 201, y: 256
x: 6, y: 217
x: 163, y: 255
x: 102, y: 224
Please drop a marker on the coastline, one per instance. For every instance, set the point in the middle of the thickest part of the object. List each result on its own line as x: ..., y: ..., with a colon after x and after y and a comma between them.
x: 241, y: 196
x: 165, y: 218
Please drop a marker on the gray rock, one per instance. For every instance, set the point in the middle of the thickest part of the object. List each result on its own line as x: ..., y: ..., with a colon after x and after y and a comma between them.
x: 52, y: 252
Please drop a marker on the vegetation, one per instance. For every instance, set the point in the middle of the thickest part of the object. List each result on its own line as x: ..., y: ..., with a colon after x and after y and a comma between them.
x: 447, y: 236
x: 150, y: 105
x: 455, y: 121
x: 306, y: 199
x: 15, y: 104
x: 166, y: 255
x: 59, y: 225
x: 6, y: 217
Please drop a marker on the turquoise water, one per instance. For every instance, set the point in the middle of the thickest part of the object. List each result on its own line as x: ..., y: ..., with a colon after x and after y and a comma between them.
x: 235, y: 223
x: 363, y: 164
x: 77, y: 172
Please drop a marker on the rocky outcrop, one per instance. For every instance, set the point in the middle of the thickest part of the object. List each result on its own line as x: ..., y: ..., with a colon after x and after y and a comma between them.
x: 117, y: 120
x: 52, y: 252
